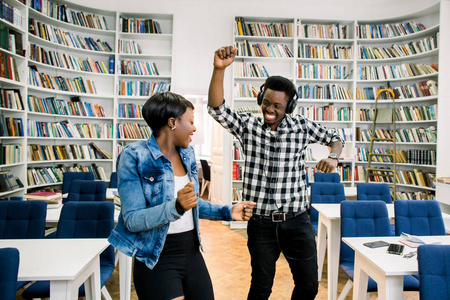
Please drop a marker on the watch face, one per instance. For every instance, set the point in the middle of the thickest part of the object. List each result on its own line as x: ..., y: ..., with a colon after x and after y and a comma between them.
x: 333, y: 155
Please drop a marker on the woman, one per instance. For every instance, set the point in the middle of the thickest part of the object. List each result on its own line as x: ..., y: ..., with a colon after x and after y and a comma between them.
x: 158, y: 223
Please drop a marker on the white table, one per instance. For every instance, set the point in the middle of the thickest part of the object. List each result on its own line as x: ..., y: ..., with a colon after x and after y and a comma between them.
x: 330, y: 225
x: 67, y: 263
x: 124, y: 260
x: 386, y: 269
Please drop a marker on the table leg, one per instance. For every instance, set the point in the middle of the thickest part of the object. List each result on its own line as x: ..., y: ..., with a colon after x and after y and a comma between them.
x: 321, y: 245
x: 360, y: 280
x: 125, y: 264
x: 334, y: 248
x: 390, y: 288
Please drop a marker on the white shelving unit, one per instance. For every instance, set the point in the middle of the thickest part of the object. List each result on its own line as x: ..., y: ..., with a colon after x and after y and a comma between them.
x: 156, y: 48
x: 347, y: 78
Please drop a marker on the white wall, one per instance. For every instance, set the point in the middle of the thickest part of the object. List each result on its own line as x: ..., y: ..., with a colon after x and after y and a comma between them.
x: 202, y: 26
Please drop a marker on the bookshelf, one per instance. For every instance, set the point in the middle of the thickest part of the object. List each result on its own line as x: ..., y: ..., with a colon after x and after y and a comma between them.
x: 337, y: 70
x: 84, y: 76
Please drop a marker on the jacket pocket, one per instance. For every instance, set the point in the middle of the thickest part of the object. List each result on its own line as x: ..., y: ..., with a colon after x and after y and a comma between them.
x: 153, y: 187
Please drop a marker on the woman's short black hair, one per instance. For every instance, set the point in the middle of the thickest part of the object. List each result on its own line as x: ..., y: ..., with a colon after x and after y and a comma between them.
x: 281, y: 84
x: 161, y: 106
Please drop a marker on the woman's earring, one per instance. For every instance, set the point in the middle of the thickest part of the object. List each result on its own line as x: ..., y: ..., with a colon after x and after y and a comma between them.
x: 173, y: 128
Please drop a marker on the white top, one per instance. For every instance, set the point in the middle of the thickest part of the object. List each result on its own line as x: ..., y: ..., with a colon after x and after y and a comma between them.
x: 186, y: 222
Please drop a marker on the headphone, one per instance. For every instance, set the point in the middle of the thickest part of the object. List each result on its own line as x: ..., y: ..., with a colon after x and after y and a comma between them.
x: 292, y: 103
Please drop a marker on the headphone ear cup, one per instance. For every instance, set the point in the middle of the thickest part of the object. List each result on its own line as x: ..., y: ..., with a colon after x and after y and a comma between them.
x: 259, y: 98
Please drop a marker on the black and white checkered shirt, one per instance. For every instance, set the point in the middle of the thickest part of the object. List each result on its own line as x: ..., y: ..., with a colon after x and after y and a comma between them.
x: 274, y: 172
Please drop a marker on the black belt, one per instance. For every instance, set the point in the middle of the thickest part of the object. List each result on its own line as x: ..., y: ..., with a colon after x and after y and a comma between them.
x: 279, y: 216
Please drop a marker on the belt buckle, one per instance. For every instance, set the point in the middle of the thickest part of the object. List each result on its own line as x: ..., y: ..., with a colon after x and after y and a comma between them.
x: 278, y: 217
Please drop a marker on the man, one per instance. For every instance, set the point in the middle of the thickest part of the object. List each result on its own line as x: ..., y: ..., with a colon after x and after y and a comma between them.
x: 275, y: 178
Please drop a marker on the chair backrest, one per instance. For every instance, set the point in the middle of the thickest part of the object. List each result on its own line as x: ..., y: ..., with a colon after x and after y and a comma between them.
x: 89, y: 220
x: 113, y: 180
x: 434, y: 272
x: 69, y: 176
x: 418, y: 217
x: 325, y: 192
x: 373, y: 191
x: 22, y: 219
x: 205, y: 170
x: 86, y: 190
x: 362, y: 219
x: 9, y: 262
x: 326, y: 177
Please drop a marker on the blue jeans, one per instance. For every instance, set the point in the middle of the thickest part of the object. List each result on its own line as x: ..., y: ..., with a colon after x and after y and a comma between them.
x: 295, y: 238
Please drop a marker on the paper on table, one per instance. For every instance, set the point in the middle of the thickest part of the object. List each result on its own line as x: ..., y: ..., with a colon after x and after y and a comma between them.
x: 414, y: 241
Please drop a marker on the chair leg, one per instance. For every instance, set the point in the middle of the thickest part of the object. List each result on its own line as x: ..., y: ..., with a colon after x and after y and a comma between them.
x: 209, y: 190
x: 105, y: 293
x: 203, y: 187
x: 348, y: 286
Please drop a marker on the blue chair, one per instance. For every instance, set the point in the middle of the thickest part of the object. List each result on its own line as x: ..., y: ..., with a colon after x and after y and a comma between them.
x: 206, y: 180
x: 364, y: 219
x: 418, y: 217
x: 113, y: 180
x: 373, y: 191
x: 326, y: 177
x: 86, y: 190
x: 324, y: 192
x: 22, y: 219
x: 82, y: 220
x: 69, y: 176
x: 434, y: 272
x: 9, y: 262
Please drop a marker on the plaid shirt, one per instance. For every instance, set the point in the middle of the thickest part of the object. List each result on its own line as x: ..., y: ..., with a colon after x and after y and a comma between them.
x: 274, y: 172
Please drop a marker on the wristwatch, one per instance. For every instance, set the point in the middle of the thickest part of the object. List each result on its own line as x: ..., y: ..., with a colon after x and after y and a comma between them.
x: 334, y: 155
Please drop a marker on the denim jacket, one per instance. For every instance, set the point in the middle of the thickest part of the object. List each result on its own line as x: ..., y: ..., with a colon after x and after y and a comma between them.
x: 146, y: 188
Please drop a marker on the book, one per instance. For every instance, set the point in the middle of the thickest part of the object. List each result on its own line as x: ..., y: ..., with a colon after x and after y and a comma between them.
x: 49, y: 197
x: 414, y: 241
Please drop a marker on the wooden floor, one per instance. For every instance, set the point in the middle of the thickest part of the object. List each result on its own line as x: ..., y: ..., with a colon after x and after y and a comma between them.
x: 228, y: 261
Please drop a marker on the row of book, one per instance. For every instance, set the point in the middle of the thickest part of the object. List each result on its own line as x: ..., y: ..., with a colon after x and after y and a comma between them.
x: 237, y: 171
x: 329, y: 31
x: 65, y: 129
x: 8, y: 67
x: 133, y: 131
x: 263, y: 29
x: 10, y: 126
x: 129, y: 110
x: 238, y: 154
x: 418, y: 195
x: 66, y: 38
x: 395, y: 71
x: 416, y: 90
x: 416, y: 177
x: 378, y: 31
x: 410, y: 135
x: 75, y: 107
x: 8, y: 182
x: 74, y: 85
x: 66, y: 61
x: 326, y: 113
x: 62, y: 13
x: 129, y: 47
x: 345, y: 172
x: 64, y: 152
x: 242, y: 69
x: 318, y: 71
x: 345, y: 133
x: 11, y: 98
x: 245, y: 90
x: 399, y: 50
x: 263, y: 50
x: 236, y: 194
x: 10, y: 154
x: 11, y: 40
x: 134, y: 25
x: 407, y: 113
x: 329, y: 91
x: 142, y: 88
x: 330, y: 51
x: 136, y: 67
x: 47, y: 175
x: 11, y: 14
x: 410, y: 156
